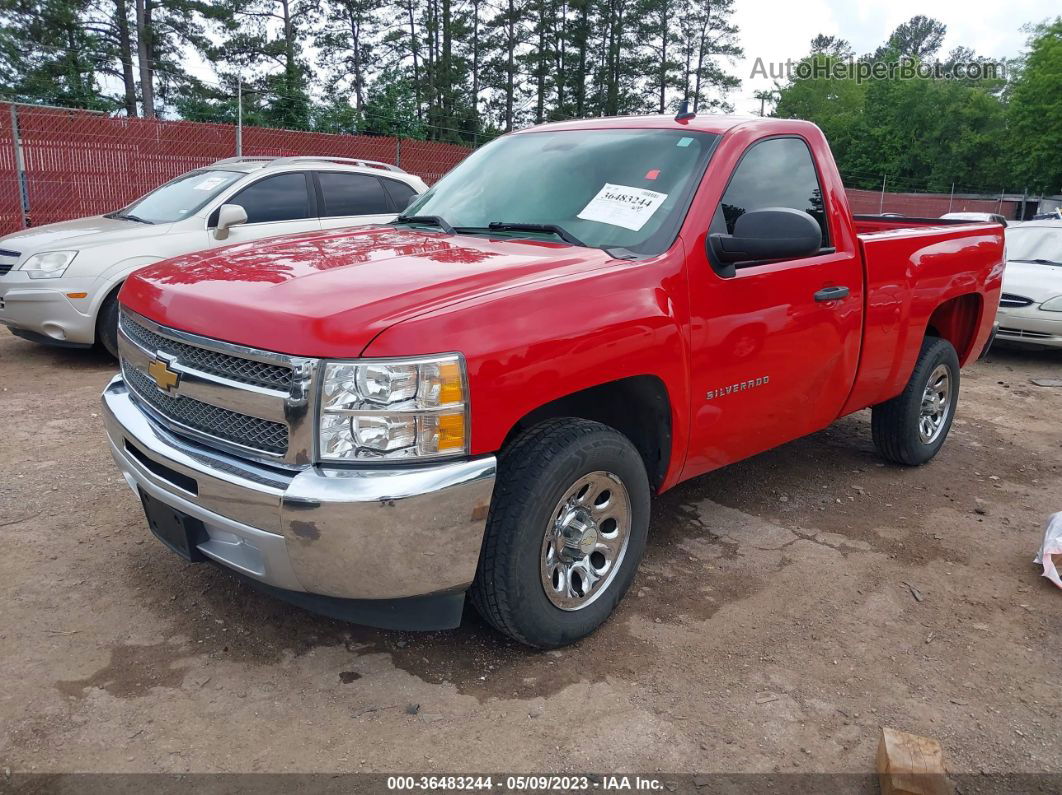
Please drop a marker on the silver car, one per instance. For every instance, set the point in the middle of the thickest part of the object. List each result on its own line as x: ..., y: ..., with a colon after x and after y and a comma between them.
x: 59, y: 283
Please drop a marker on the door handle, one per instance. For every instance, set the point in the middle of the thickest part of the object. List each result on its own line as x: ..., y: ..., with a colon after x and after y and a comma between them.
x: 831, y: 294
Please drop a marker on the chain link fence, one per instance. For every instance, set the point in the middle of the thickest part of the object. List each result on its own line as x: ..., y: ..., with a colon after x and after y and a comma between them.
x: 57, y: 164
x: 929, y: 205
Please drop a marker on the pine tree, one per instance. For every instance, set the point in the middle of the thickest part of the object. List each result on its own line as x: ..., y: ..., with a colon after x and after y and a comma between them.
x: 275, y: 32
x: 346, y: 41
x: 48, y: 56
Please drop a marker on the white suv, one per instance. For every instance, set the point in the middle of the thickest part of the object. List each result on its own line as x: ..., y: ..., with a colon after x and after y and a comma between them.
x: 59, y: 282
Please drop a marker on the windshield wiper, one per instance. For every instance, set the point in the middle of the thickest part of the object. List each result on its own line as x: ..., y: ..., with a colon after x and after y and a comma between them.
x: 553, y: 229
x: 430, y: 220
x: 559, y: 231
x: 129, y: 217
x: 1039, y: 261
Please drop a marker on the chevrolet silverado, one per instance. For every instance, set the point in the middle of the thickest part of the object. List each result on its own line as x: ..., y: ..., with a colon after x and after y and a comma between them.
x: 480, y: 398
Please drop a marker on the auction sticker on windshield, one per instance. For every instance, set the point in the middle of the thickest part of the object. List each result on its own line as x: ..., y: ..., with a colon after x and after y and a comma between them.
x: 210, y: 183
x: 620, y: 205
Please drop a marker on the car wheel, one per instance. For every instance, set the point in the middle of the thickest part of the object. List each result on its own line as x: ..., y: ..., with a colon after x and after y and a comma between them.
x: 565, y: 534
x: 107, y: 324
x: 911, y: 428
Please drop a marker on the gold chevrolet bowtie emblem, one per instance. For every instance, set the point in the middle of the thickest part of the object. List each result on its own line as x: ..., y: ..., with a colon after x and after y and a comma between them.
x: 165, y: 378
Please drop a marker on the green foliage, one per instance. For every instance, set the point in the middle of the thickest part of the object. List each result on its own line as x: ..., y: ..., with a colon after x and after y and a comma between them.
x: 835, y: 105
x: 930, y: 133
x: 448, y: 70
x: 1036, y: 112
x: 391, y: 109
x: 47, y: 56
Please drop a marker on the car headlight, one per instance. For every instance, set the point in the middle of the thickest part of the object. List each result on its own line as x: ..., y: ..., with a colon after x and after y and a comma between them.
x: 1052, y: 304
x: 48, y: 265
x: 397, y: 409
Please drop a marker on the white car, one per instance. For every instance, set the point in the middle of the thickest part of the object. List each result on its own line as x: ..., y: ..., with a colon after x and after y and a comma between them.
x: 1030, y: 309
x: 59, y: 283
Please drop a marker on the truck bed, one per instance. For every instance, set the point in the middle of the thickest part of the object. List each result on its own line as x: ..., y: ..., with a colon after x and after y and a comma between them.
x: 871, y: 224
x: 914, y: 267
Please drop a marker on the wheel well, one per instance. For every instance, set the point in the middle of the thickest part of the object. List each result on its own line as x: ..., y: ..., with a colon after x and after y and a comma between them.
x: 110, y: 294
x: 956, y: 320
x: 638, y: 407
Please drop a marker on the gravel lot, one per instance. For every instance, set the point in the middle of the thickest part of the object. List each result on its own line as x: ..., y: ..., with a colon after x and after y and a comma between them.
x: 773, y: 626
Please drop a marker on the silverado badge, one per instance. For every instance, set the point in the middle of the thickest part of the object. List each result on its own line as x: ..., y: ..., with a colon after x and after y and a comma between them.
x: 164, y: 378
x: 740, y: 386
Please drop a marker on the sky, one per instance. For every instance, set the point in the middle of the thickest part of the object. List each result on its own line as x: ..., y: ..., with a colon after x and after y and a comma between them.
x: 776, y: 30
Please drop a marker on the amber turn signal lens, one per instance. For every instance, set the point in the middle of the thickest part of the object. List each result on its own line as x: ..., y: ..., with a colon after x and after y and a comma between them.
x: 451, y: 432
x: 77, y: 295
x: 451, y: 389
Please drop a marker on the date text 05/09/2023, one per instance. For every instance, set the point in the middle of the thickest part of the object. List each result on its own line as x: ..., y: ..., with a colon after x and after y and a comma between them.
x: 526, y: 783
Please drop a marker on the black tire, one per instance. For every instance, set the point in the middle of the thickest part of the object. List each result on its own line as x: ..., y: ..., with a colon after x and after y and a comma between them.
x: 895, y: 423
x: 107, y: 324
x: 534, y: 474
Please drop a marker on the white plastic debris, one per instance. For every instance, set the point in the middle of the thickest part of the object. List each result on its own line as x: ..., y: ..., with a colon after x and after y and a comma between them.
x: 1050, y: 553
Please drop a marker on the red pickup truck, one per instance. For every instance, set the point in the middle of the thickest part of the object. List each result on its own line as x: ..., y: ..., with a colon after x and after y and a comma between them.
x: 481, y: 397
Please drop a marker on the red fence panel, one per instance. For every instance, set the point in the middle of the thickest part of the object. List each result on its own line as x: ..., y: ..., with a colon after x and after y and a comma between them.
x: 925, y: 205
x: 431, y: 159
x: 79, y: 163
x: 266, y: 141
x: 10, y: 205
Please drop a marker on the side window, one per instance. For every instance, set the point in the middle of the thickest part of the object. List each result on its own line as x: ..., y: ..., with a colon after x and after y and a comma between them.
x: 352, y: 194
x: 400, y: 192
x: 280, y: 198
x: 778, y: 172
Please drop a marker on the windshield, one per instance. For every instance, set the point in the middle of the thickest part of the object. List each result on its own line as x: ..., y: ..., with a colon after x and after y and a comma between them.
x: 627, y: 189
x: 179, y: 198
x: 1029, y: 243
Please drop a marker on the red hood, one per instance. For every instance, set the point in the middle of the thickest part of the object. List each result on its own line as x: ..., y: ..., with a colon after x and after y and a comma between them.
x: 329, y: 293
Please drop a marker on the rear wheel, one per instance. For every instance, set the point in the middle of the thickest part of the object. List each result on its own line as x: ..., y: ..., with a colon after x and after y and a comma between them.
x: 107, y: 324
x: 911, y: 428
x: 565, y: 534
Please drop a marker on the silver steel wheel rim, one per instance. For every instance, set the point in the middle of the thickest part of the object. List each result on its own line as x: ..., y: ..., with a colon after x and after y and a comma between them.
x: 936, y: 404
x: 586, y: 540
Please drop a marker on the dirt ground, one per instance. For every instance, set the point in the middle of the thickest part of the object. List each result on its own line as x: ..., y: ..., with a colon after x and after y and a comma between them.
x: 774, y: 625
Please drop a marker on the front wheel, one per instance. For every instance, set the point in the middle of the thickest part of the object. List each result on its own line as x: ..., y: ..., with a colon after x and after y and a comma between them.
x: 566, y: 531
x: 911, y: 428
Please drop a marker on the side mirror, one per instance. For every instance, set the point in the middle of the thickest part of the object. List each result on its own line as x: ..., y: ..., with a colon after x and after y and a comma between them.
x: 770, y: 233
x: 229, y: 215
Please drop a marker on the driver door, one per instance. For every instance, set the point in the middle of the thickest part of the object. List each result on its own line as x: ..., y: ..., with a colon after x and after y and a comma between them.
x: 771, y: 359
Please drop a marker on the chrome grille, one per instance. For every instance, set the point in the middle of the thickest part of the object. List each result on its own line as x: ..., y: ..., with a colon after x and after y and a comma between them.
x: 7, y: 254
x: 230, y: 426
x: 1019, y: 332
x: 235, y: 368
x: 1014, y: 301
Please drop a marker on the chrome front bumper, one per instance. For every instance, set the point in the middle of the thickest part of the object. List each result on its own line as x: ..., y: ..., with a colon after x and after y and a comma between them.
x: 367, y: 534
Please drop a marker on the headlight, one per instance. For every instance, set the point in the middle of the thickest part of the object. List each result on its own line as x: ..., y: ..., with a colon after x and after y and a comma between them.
x: 49, y: 265
x: 400, y: 409
x: 1052, y: 304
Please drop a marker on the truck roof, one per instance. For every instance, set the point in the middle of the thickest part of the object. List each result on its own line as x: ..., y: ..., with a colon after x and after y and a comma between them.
x: 709, y: 122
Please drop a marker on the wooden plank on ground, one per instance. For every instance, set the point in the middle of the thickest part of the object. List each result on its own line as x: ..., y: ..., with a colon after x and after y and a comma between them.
x: 911, y: 765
